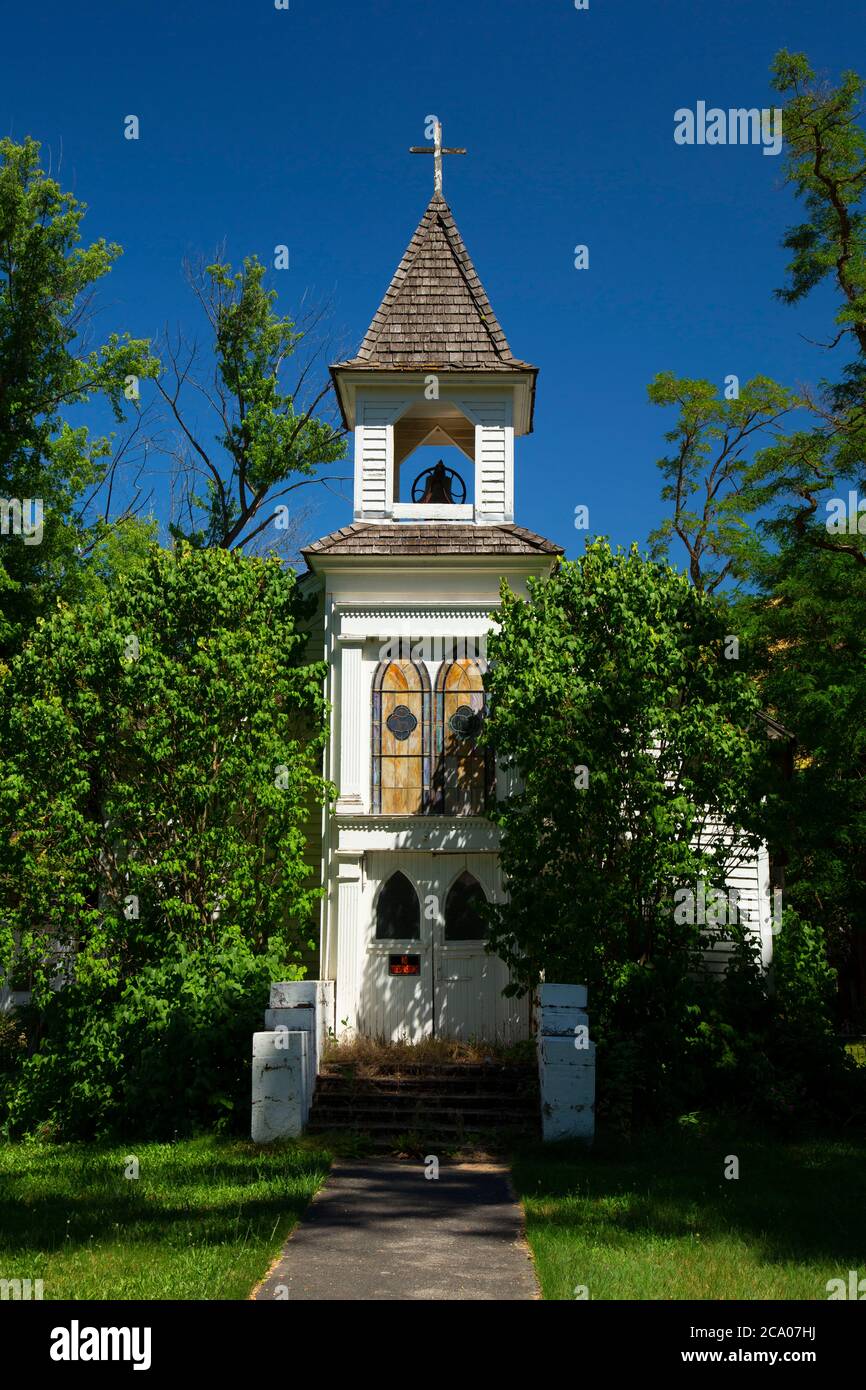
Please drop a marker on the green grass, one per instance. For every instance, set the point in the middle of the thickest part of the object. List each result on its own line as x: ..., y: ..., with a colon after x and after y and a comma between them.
x: 204, y: 1219
x: 658, y: 1219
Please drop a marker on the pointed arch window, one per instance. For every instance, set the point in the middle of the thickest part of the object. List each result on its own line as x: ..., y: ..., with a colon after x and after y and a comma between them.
x: 401, y: 739
x: 463, y: 919
x: 465, y: 773
x: 398, y: 911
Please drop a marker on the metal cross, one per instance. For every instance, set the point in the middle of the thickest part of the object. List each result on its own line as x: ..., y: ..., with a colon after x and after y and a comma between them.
x: 437, y: 151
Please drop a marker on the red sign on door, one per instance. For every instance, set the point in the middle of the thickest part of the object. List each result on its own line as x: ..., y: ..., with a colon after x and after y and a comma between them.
x: 404, y: 965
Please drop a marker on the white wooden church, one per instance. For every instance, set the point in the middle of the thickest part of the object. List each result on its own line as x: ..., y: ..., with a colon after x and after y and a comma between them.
x: 409, y: 591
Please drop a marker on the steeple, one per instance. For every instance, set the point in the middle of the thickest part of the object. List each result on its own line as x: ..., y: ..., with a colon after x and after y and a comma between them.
x: 435, y: 372
x: 435, y: 315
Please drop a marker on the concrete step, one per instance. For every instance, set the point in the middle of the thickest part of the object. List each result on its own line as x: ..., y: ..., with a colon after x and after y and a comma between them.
x: 396, y: 1091
x: 433, y: 1103
x: 446, y: 1128
x: 448, y: 1101
x: 441, y: 1070
x: 429, y: 1101
x: 474, y: 1080
x: 423, y: 1114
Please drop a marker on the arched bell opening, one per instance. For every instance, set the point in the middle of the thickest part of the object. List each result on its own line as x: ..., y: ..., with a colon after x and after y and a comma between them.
x: 434, y: 455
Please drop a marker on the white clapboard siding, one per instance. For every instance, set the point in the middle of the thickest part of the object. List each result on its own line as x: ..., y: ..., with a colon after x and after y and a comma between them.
x: 492, y: 453
x: 494, y: 457
x: 748, y: 873
x: 374, y: 452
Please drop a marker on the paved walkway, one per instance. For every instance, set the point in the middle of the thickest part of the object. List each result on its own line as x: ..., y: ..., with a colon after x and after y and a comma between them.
x: 379, y: 1229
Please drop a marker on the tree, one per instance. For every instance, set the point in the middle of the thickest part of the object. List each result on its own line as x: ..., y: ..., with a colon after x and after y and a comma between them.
x: 712, y: 478
x: 805, y: 627
x: 631, y: 737
x: 809, y: 473
x: 826, y: 166
x: 793, y: 476
x: 806, y: 620
x: 632, y: 734
x: 160, y: 756
x: 270, y: 441
x: 797, y: 545
x: 49, y: 467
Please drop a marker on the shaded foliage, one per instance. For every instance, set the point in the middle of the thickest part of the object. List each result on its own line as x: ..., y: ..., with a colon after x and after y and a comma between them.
x: 162, y: 752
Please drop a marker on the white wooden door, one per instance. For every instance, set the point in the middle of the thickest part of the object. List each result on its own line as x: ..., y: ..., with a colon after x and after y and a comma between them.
x: 468, y: 1002
x: 425, y: 985
x: 397, y: 1006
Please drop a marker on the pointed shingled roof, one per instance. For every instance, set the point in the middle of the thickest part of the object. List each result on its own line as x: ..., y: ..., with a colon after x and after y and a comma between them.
x: 435, y: 313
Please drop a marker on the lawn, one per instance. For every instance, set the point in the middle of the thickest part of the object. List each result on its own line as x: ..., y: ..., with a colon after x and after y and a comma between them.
x: 655, y: 1219
x: 204, y: 1218
x: 658, y: 1219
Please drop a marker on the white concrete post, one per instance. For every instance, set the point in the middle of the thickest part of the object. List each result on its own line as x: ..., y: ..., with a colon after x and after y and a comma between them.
x: 286, y: 1058
x: 305, y: 1006
x: 280, y: 1085
x: 566, y: 1064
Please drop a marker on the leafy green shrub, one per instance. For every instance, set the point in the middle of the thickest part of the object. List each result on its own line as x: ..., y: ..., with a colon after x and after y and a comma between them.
x: 670, y: 1046
x: 169, y: 1054
x: 161, y: 755
x: 13, y: 1041
x: 804, y: 979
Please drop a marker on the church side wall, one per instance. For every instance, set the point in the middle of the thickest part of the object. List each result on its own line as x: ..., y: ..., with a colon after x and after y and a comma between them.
x: 749, y: 875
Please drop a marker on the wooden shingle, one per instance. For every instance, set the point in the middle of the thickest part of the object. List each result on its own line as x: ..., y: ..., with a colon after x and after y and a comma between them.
x: 435, y: 314
x: 430, y: 538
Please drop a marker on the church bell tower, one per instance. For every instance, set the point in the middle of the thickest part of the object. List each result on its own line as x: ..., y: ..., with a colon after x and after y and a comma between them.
x: 435, y: 372
x: 435, y: 399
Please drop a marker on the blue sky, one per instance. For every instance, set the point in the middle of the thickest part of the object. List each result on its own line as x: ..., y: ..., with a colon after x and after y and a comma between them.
x: 261, y: 127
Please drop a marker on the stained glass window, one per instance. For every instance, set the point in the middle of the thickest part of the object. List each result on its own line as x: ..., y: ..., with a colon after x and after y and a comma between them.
x: 398, y: 911
x: 401, y: 739
x: 463, y: 921
x: 463, y: 778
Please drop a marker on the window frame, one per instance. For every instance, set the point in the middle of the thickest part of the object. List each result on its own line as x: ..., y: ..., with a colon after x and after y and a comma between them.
x: 390, y: 940
x: 484, y: 755
x: 376, y: 734
x: 463, y: 941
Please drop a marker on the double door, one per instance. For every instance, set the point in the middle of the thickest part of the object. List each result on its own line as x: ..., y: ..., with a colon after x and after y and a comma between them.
x: 432, y: 982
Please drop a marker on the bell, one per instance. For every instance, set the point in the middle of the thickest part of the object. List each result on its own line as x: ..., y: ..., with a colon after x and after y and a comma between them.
x: 438, y: 487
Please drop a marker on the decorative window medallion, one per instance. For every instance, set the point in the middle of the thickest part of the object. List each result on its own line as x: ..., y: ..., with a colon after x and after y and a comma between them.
x: 402, y: 722
x: 465, y: 722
